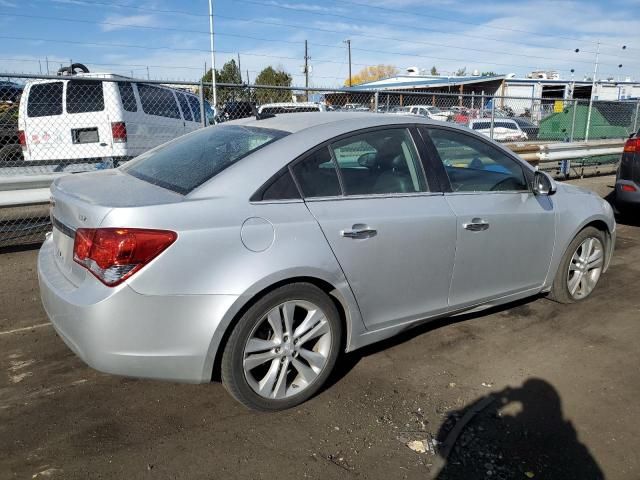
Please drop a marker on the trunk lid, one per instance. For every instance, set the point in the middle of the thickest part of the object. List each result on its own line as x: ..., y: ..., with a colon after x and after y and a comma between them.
x: 84, y: 200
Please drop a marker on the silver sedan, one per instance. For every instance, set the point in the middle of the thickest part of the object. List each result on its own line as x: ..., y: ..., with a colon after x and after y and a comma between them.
x: 258, y: 250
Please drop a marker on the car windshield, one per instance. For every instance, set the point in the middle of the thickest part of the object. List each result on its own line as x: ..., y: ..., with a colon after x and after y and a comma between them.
x: 187, y: 162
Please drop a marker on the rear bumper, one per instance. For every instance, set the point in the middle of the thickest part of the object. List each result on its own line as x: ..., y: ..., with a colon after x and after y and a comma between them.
x: 624, y: 198
x: 118, y: 331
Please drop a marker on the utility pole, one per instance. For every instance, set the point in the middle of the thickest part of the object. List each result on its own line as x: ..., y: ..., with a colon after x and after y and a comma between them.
x: 306, y: 71
x: 46, y: 59
x: 348, y: 42
x: 239, y: 69
x: 148, y: 76
x: 214, y: 96
x: 593, y: 88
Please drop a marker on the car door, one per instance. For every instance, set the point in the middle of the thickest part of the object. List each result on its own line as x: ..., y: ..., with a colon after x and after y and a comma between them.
x: 505, y: 233
x: 393, y: 237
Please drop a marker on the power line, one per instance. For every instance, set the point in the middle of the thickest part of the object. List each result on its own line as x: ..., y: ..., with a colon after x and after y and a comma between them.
x: 144, y: 47
x: 402, y: 25
x: 378, y: 37
x: 388, y: 9
x: 133, y: 7
x: 148, y: 27
x: 435, y: 17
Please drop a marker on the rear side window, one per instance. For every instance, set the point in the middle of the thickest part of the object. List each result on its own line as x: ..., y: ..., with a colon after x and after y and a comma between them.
x: 158, y: 101
x: 184, y: 105
x: 127, y: 96
x: 83, y: 96
x: 379, y: 162
x: 187, y: 162
x: 283, y: 188
x: 195, y: 106
x: 317, y: 176
x: 45, y: 99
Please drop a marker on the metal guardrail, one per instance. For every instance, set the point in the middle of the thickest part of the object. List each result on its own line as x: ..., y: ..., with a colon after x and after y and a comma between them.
x: 34, y: 189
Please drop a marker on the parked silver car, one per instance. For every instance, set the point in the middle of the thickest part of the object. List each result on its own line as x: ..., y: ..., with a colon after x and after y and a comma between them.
x: 260, y: 249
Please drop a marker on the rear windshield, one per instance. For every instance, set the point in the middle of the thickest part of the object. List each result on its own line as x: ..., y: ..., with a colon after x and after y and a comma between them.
x: 45, y: 99
x: 84, y: 96
x: 189, y: 161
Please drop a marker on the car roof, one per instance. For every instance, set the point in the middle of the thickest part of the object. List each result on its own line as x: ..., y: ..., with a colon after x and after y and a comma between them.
x: 346, y: 121
x: 307, y: 131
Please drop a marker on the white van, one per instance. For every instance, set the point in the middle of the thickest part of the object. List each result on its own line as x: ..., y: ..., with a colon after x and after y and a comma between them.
x: 76, y: 119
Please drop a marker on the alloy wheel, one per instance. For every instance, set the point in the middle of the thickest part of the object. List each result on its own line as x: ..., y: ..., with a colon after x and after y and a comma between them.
x: 287, y: 349
x: 585, y: 268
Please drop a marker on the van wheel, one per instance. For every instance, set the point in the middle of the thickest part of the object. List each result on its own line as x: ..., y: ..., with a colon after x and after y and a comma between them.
x: 283, y: 348
x: 580, y: 268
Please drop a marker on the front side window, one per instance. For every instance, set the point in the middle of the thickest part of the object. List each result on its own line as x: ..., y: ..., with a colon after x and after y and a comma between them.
x: 158, y: 101
x: 379, y: 162
x: 84, y: 96
x: 45, y: 99
x: 187, y: 162
x: 476, y: 166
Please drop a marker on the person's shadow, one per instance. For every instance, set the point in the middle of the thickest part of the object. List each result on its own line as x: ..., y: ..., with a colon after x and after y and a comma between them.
x: 517, y: 433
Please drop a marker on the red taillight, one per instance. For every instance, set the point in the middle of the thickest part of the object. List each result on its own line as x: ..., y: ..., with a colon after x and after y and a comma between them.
x: 22, y: 138
x: 119, y: 132
x: 114, y: 254
x: 629, y: 188
x: 632, y: 145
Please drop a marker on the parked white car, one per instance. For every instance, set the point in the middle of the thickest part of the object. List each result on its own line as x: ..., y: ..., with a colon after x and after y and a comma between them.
x: 291, y: 107
x: 504, y: 130
x: 86, y: 117
x: 434, y: 113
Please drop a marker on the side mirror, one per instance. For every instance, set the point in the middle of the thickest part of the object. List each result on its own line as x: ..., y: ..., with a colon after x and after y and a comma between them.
x: 543, y: 184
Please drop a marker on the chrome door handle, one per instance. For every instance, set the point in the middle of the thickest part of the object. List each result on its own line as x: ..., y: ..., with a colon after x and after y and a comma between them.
x: 359, y: 231
x: 476, y: 225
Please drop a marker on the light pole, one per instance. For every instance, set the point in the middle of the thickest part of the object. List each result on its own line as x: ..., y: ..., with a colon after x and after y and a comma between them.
x: 348, y: 42
x: 214, y: 97
x: 593, y: 88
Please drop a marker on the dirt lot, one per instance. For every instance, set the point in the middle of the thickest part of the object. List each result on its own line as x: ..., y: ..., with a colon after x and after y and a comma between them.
x: 564, y: 382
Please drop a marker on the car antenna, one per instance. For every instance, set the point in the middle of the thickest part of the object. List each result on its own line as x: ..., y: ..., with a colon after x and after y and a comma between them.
x: 260, y: 116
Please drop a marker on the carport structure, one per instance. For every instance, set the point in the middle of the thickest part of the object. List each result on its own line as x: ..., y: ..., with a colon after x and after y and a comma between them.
x: 397, y: 91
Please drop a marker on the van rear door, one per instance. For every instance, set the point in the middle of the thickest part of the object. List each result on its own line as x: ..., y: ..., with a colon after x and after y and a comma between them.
x: 67, y: 120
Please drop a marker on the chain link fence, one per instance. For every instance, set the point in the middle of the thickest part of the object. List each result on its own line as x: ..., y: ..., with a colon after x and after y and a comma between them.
x: 55, y: 125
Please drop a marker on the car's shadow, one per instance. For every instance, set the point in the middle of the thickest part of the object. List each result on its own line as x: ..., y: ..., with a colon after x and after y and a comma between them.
x: 349, y: 360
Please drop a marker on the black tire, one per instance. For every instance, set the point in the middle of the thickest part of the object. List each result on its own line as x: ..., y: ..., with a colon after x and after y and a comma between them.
x: 232, y: 371
x: 560, y: 290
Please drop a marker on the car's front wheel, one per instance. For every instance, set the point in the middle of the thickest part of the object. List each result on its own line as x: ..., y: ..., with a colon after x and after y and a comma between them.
x: 283, y: 348
x: 581, y: 267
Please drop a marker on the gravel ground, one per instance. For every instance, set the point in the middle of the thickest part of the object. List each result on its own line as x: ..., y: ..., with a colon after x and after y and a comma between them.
x: 555, y: 388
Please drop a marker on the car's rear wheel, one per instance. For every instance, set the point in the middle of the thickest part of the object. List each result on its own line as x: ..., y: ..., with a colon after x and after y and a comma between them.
x: 581, y: 267
x: 283, y: 348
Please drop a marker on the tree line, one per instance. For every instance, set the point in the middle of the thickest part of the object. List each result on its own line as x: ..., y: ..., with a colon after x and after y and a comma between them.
x: 230, y: 73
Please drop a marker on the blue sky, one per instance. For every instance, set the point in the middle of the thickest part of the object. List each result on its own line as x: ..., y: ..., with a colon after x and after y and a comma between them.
x: 125, y: 37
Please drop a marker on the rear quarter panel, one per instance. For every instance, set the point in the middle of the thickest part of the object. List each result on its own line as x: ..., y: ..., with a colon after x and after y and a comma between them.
x: 212, y: 254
